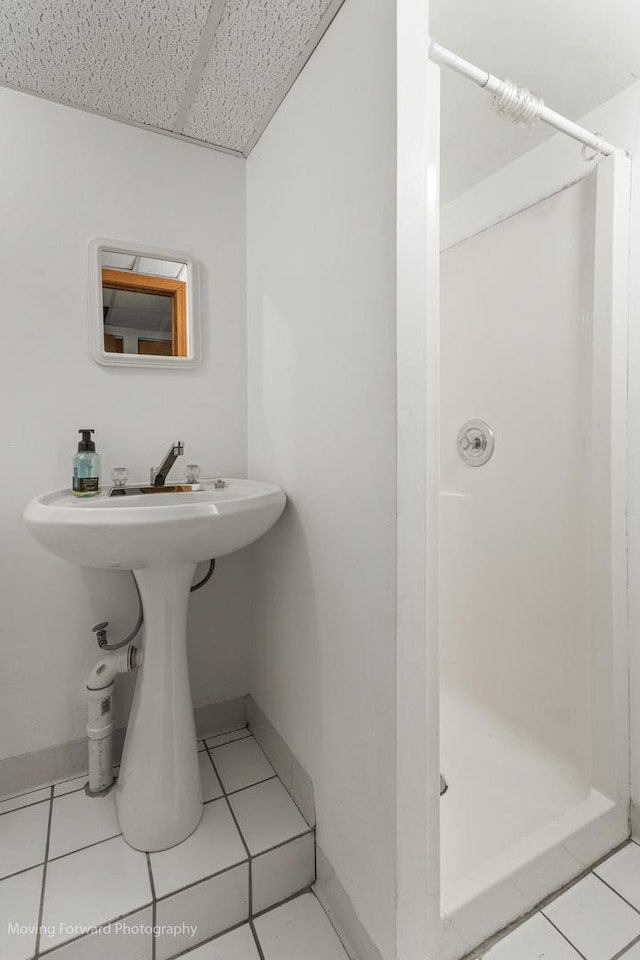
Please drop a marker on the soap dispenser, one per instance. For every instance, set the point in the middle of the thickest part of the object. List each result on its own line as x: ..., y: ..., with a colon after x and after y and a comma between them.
x: 86, y: 467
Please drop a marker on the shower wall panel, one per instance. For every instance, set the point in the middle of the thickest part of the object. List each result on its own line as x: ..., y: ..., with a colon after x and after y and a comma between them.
x: 516, y: 333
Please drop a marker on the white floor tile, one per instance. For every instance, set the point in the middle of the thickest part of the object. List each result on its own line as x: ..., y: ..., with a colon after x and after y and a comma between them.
x: 534, y: 940
x: 298, y: 929
x: 267, y: 816
x: 24, y: 800
x: 23, y: 837
x: 280, y: 873
x: 214, y: 846
x: 211, y: 788
x: 241, y: 764
x: 91, y: 887
x: 20, y: 904
x: 622, y: 872
x: 69, y: 786
x: 210, y: 907
x: 237, y: 945
x: 127, y: 939
x: 594, y: 919
x: 79, y: 820
x: 229, y: 737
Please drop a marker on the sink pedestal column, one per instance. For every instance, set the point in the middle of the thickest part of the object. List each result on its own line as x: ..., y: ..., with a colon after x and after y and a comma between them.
x: 158, y: 793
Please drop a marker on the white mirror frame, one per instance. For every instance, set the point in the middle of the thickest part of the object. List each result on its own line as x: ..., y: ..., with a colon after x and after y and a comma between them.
x: 96, y: 314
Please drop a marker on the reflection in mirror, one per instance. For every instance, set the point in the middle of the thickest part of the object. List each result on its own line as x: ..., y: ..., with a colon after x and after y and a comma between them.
x: 144, y: 304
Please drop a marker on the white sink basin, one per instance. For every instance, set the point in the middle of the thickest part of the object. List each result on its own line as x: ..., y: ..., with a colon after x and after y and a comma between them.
x: 127, y: 533
x: 161, y: 537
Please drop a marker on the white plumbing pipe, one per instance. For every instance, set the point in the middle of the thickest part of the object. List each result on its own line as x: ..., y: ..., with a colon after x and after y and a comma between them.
x: 497, y: 86
x: 100, y: 686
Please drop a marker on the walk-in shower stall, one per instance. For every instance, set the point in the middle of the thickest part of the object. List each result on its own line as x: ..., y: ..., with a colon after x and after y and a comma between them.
x: 526, y: 624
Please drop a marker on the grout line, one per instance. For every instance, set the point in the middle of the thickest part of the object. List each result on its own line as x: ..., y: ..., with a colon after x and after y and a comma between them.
x: 98, y: 926
x: 312, y: 826
x: 220, y: 745
x: 232, y: 866
x: 256, y: 939
x: 617, y: 892
x: 16, y: 873
x: 151, y: 883
x: 97, y: 843
x: 564, y: 937
x: 290, y: 792
x: 87, y: 846
x: 244, y: 842
x: 348, y: 950
x: 225, y: 743
x: 540, y: 906
x: 232, y: 793
x: 216, y: 936
x: 61, y: 856
x: 25, y: 793
x: 69, y: 793
x: 274, y: 774
x: 155, y: 898
x: 209, y: 876
x: 25, y: 806
x: 281, y: 903
x: 283, y: 843
x: 44, y: 875
x: 622, y: 953
x: 153, y: 908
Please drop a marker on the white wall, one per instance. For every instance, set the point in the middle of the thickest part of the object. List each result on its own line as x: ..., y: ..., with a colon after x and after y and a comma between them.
x: 321, y: 308
x: 67, y: 177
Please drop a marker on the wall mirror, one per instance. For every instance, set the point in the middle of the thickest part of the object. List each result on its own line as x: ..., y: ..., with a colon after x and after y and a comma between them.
x: 143, y: 309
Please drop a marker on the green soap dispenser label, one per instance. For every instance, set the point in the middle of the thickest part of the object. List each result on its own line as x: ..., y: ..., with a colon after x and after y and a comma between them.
x: 86, y: 485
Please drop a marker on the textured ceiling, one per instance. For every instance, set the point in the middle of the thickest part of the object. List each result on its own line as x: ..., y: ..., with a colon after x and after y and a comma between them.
x: 210, y: 70
x: 254, y: 49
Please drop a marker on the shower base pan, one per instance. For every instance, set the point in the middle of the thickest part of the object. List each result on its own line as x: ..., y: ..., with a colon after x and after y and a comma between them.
x: 516, y: 823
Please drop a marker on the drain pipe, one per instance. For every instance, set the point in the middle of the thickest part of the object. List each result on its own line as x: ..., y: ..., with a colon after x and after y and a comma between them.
x: 100, y: 686
x: 116, y: 658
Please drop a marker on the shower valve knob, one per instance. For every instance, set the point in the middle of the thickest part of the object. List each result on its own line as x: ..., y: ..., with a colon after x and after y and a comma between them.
x: 475, y: 442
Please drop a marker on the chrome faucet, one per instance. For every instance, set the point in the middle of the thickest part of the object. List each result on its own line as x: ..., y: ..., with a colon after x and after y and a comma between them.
x: 159, y: 474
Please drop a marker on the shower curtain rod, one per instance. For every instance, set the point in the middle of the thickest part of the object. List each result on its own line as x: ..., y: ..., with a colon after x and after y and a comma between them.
x: 518, y: 102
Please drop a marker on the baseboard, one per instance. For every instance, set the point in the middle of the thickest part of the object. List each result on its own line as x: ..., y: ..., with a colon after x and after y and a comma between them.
x: 213, y: 718
x: 287, y: 766
x: 634, y: 818
x: 340, y: 910
x: 66, y: 760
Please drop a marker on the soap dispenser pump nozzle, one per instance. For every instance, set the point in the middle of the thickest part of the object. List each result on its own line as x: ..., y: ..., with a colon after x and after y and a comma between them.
x: 86, y: 444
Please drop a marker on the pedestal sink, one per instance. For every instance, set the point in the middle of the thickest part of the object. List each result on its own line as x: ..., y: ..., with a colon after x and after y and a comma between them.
x: 161, y: 537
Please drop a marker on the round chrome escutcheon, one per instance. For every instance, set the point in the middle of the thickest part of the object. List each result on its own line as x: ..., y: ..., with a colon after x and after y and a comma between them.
x: 475, y: 442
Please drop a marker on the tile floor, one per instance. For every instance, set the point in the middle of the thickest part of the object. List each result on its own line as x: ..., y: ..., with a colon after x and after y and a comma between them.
x: 72, y: 889
x: 598, y: 918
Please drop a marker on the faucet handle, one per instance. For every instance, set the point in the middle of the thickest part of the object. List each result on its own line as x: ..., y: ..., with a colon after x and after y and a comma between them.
x: 119, y: 476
